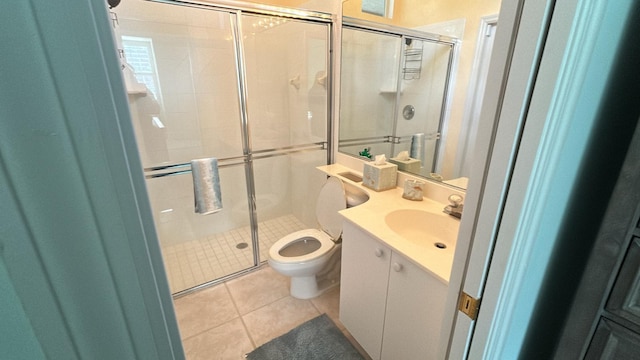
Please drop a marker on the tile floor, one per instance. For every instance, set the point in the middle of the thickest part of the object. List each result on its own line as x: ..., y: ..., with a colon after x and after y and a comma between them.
x: 196, y: 262
x: 231, y: 319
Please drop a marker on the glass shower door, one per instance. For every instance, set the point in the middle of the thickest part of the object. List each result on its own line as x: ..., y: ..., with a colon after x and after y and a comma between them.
x: 185, y: 106
x: 249, y: 90
x: 286, y: 67
x: 370, y: 62
x: 421, y: 109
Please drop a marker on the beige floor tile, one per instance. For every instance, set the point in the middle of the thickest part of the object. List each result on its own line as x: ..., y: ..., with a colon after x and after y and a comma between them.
x: 228, y: 341
x: 204, y: 310
x: 255, y: 290
x: 329, y: 303
x: 278, y: 318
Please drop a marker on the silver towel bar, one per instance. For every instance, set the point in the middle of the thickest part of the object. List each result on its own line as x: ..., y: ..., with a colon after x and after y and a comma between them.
x: 236, y: 160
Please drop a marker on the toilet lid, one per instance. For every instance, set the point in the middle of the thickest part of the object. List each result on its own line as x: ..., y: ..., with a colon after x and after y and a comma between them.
x: 331, y: 200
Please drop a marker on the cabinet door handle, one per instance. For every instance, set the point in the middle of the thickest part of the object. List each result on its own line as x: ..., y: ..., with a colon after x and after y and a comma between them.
x: 397, y: 267
x: 379, y: 252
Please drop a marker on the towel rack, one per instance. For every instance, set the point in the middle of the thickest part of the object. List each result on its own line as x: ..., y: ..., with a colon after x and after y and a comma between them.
x: 185, y: 168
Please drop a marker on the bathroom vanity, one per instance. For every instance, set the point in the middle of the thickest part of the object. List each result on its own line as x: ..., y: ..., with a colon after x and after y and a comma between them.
x: 391, y: 306
x: 396, y: 261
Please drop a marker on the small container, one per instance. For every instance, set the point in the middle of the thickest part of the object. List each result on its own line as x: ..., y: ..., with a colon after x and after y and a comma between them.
x: 413, y: 190
x: 379, y: 177
x: 409, y: 165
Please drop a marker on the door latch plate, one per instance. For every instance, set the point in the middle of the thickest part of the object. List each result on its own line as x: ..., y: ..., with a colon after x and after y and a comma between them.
x: 469, y: 305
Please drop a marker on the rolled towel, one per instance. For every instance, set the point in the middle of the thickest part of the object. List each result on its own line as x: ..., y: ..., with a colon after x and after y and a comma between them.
x: 417, y: 147
x: 206, y: 186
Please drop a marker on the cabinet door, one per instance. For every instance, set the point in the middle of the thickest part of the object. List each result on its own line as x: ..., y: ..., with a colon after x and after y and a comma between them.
x: 625, y: 296
x: 363, y: 289
x: 612, y: 341
x: 415, y: 306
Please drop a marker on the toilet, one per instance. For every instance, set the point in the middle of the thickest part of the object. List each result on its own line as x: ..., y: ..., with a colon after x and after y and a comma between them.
x: 311, y: 257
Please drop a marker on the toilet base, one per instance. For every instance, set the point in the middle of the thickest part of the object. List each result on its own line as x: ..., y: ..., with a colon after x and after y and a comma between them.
x: 306, y: 287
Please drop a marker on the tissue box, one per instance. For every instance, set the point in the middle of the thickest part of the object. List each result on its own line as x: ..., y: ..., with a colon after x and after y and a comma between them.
x: 411, y: 165
x: 379, y: 177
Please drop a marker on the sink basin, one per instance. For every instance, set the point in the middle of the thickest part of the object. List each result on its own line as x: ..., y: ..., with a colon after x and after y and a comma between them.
x: 423, y: 227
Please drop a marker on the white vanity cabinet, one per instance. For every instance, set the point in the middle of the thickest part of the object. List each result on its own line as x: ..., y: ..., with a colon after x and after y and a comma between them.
x: 391, y: 306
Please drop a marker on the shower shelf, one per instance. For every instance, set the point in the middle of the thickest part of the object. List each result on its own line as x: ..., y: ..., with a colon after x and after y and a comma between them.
x: 385, y: 91
x: 412, y: 62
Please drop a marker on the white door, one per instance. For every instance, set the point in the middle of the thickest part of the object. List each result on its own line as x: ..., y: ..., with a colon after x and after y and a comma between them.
x: 413, y: 313
x: 542, y: 54
x: 510, y: 77
x: 364, y: 281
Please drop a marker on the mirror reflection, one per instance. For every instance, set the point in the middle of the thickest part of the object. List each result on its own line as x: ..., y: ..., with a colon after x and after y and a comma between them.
x: 378, y: 117
x: 393, y: 96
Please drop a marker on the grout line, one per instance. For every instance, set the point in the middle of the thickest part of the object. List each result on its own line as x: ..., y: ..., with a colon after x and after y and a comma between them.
x: 209, y: 329
x: 220, y: 253
x: 244, y: 325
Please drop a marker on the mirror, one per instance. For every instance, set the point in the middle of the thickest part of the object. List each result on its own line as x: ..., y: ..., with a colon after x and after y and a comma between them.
x: 432, y: 116
x: 393, y: 88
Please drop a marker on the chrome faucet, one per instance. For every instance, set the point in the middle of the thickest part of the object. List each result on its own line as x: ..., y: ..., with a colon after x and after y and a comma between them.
x: 455, y: 207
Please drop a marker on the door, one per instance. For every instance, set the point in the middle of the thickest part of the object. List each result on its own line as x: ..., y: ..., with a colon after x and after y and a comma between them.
x: 564, y: 83
x: 421, y: 103
x: 413, y: 313
x: 188, y: 109
x: 80, y: 268
x: 244, y: 89
x: 286, y: 67
x: 512, y: 72
x: 364, y: 283
x: 368, y: 90
x: 617, y: 335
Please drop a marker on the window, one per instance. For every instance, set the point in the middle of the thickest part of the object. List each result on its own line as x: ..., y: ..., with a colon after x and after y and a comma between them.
x: 139, y: 55
x: 378, y: 7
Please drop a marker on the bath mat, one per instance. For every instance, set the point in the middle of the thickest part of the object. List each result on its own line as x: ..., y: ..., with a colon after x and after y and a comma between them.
x: 318, y: 338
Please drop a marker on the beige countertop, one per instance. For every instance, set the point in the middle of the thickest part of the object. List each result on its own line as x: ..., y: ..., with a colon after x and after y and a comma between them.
x: 370, y: 216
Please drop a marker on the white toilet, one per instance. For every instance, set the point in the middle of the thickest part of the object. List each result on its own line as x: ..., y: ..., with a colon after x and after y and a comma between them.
x: 305, y: 254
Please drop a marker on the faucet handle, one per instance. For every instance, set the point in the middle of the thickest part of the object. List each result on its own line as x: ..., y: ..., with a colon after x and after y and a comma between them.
x: 455, y: 200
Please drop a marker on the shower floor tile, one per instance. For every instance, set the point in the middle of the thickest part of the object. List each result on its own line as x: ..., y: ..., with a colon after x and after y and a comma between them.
x: 196, y: 262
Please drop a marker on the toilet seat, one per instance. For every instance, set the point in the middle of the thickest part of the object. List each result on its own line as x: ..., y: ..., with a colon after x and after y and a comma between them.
x: 326, y: 244
x: 331, y: 199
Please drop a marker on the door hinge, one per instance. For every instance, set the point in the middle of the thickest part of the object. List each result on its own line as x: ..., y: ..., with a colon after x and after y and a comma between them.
x: 469, y: 305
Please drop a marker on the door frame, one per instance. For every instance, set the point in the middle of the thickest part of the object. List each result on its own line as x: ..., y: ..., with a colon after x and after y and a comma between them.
x: 475, y: 93
x: 541, y: 135
x: 513, y: 68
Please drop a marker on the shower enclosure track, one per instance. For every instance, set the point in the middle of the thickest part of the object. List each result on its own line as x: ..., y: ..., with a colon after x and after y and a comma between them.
x: 236, y: 160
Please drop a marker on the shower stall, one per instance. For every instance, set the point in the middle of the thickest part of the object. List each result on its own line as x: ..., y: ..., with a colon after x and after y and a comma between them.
x: 248, y: 86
